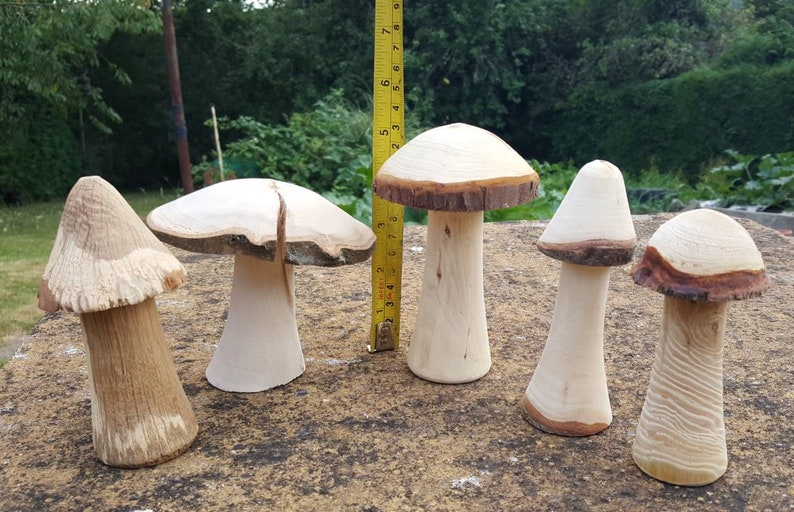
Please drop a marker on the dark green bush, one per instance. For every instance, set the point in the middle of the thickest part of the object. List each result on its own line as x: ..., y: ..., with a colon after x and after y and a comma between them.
x: 684, y: 123
x: 39, y: 160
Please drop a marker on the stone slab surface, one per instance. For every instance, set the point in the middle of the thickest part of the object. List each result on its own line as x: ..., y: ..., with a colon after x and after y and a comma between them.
x: 358, y: 431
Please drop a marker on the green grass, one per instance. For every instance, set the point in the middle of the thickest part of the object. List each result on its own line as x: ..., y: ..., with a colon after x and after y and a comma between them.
x: 27, y: 234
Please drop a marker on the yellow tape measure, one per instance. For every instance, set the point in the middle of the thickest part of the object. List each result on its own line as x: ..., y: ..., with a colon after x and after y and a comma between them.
x: 387, y: 137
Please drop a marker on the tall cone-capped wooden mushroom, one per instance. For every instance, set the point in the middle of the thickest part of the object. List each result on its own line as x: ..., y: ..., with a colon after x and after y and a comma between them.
x: 269, y: 226
x: 590, y: 232
x: 107, y: 266
x: 456, y: 172
x: 699, y: 259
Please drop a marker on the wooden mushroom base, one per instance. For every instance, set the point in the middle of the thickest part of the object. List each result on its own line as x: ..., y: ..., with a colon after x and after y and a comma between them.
x: 260, y: 347
x: 139, y: 412
x: 568, y: 392
x: 449, y: 344
x: 681, y: 432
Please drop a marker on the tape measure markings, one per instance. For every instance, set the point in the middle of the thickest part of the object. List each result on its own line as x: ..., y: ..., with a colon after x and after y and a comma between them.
x: 387, y: 137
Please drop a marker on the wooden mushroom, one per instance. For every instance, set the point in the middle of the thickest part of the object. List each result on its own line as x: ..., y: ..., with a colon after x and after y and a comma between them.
x: 590, y: 232
x: 107, y: 266
x: 456, y: 172
x: 699, y: 260
x: 269, y: 226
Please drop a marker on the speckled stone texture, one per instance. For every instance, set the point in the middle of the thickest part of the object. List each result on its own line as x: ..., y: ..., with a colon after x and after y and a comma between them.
x: 358, y: 431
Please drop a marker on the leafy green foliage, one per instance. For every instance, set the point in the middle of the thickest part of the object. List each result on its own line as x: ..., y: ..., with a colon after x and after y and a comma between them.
x: 766, y: 181
x: 321, y: 149
x: 47, y: 47
x: 683, y: 123
x: 327, y: 149
x: 41, y: 143
x: 46, y: 52
x: 554, y: 182
x: 646, y: 84
x: 765, y: 38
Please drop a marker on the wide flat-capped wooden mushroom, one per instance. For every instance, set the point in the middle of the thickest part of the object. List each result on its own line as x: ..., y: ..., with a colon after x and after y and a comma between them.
x: 107, y: 266
x: 456, y: 172
x: 590, y: 232
x: 699, y: 260
x: 270, y: 226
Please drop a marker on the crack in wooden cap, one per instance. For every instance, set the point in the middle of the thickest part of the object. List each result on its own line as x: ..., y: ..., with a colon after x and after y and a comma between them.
x: 262, y: 217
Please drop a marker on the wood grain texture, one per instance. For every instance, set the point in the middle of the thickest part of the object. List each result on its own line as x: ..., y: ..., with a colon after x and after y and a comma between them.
x: 242, y: 217
x: 104, y: 256
x: 681, y: 432
x: 260, y: 347
x: 139, y: 412
x: 593, y: 217
x: 702, y: 255
x: 456, y: 167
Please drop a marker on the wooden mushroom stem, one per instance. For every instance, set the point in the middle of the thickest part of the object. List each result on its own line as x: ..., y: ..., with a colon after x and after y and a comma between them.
x: 568, y: 393
x: 139, y: 412
x: 681, y: 433
x: 260, y: 347
x: 450, y: 339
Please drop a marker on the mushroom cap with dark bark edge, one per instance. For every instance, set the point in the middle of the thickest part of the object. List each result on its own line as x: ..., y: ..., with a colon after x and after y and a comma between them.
x: 254, y: 216
x: 592, y: 225
x: 456, y: 168
x: 103, y: 256
x: 702, y: 256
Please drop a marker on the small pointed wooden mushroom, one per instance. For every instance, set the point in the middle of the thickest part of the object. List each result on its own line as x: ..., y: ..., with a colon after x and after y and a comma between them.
x: 590, y: 232
x: 456, y: 172
x: 107, y: 266
x: 699, y: 260
x: 270, y: 226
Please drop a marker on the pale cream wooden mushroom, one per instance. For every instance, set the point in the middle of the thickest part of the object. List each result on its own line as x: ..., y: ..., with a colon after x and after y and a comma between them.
x: 456, y: 172
x: 590, y: 232
x: 700, y: 259
x: 270, y: 226
x: 107, y: 266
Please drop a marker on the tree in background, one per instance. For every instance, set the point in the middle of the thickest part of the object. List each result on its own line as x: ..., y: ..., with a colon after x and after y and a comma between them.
x: 46, y: 95
x: 679, y: 85
x: 668, y: 84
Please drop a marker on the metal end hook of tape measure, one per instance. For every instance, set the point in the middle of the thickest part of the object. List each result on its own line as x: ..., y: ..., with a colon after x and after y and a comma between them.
x: 384, y: 337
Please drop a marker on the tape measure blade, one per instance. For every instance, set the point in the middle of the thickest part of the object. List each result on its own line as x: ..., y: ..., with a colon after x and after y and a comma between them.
x: 387, y: 136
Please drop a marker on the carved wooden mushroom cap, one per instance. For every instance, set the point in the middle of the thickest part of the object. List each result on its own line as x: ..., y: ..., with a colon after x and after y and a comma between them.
x: 702, y: 255
x: 457, y: 168
x: 592, y: 225
x: 254, y: 216
x: 104, y: 256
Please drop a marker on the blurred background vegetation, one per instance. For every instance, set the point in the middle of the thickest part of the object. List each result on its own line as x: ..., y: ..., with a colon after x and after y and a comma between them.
x: 666, y: 89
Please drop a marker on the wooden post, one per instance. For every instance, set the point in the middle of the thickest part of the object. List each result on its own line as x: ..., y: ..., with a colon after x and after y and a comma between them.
x: 178, y: 109
x: 217, y: 140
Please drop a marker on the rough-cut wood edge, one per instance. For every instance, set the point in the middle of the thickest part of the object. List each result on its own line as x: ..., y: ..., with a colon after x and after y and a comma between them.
x: 103, y: 255
x: 654, y: 272
x: 562, y: 428
x: 319, y: 248
x: 297, y: 253
x: 596, y: 253
x: 467, y: 196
